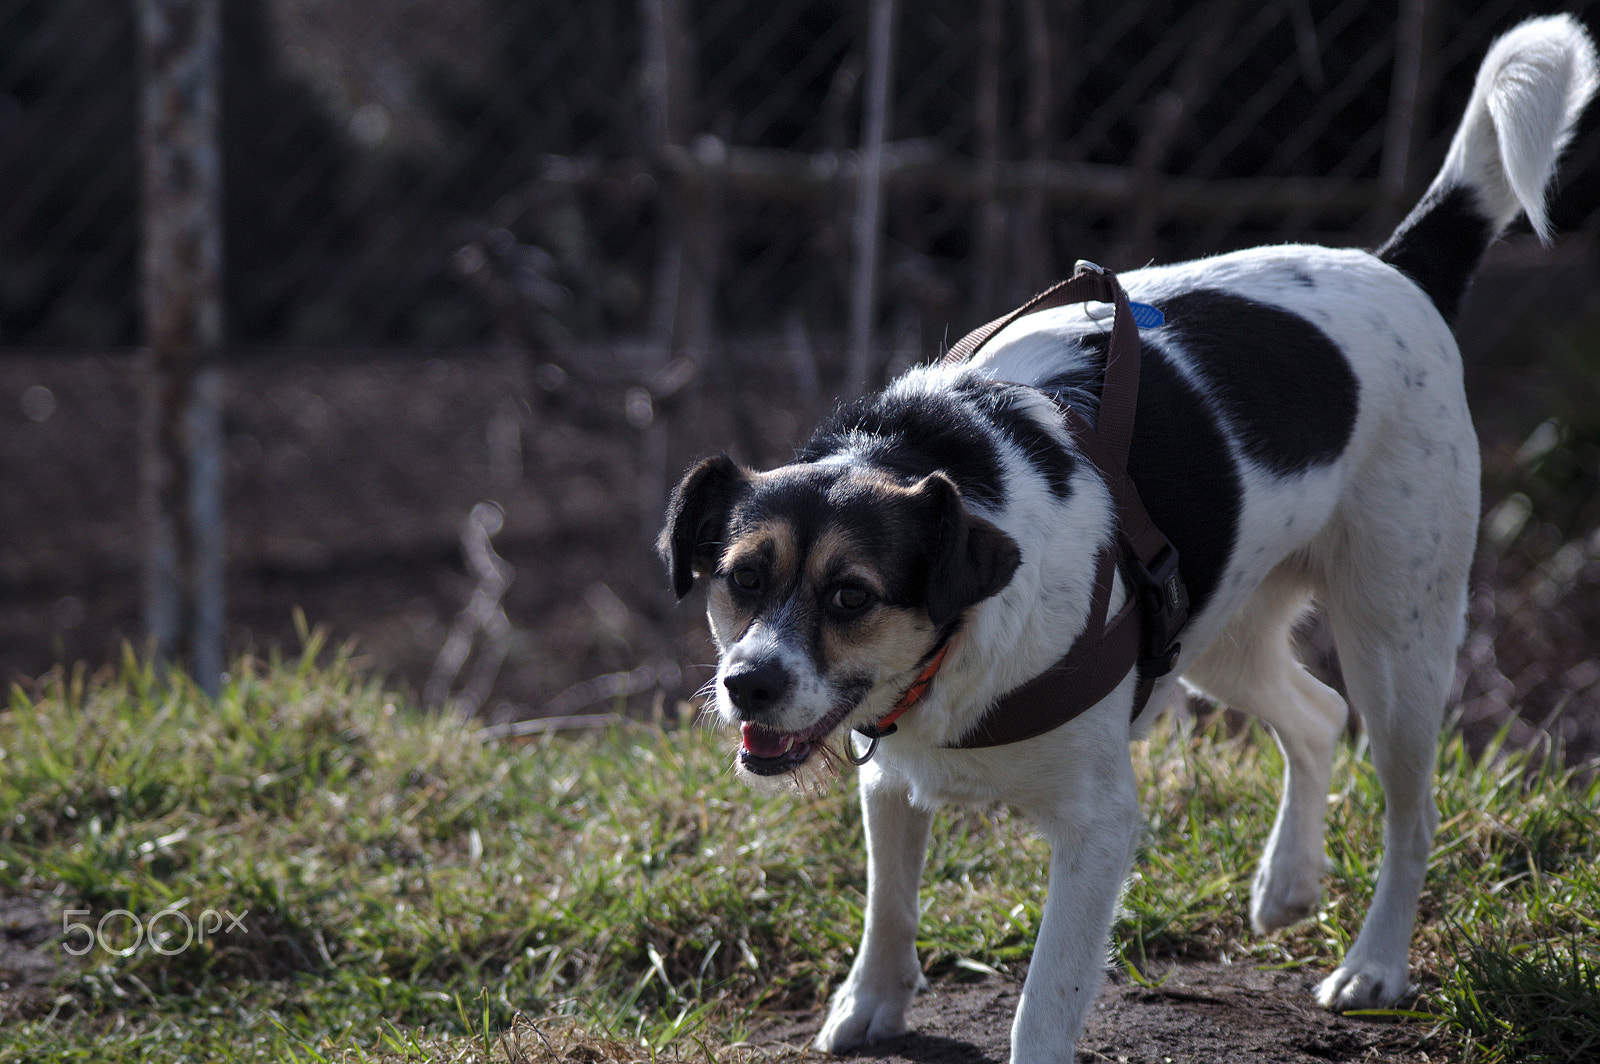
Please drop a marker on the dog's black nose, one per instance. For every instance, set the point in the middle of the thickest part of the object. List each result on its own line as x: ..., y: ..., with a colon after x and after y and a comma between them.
x: 756, y: 687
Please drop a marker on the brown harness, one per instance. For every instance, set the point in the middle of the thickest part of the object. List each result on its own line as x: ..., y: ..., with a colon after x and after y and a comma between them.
x: 1143, y: 634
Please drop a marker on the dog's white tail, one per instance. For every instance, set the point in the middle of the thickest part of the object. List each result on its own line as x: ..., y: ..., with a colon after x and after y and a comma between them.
x: 1531, y: 89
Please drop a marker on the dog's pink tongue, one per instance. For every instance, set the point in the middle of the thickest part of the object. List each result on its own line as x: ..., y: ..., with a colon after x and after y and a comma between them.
x: 763, y: 742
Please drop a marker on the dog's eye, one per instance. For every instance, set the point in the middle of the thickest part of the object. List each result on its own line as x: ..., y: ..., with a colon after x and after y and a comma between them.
x: 850, y: 599
x: 746, y: 578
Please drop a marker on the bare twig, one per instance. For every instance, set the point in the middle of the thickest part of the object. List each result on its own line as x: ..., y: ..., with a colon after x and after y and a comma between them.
x: 1405, y: 95
x: 869, y: 193
x: 989, y: 224
x: 1030, y: 244
x: 482, y: 614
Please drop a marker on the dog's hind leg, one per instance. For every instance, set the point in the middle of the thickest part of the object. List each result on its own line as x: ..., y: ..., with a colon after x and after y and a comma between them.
x: 1395, y: 594
x: 1252, y: 668
x: 1399, y: 683
x: 872, y: 1002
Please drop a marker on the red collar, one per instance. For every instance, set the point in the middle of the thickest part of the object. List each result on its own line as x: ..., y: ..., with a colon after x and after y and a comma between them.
x: 913, y: 694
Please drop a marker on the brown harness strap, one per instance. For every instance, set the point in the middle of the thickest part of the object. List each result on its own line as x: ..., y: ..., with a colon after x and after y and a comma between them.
x: 1082, y: 286
x: 1143, y: 633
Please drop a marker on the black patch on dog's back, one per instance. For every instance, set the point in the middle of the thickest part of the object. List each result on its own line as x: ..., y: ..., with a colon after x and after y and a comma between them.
x: 1005, y: 407
x: 915, y: 435
x: 1186, y: 475
x: 1079, y: 387
x: 1179, y: 459
x: 1286, y: 388
x: 1439, y: 246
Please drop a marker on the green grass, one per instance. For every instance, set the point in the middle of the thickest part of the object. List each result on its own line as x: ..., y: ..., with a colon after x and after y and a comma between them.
x: 406, y: 893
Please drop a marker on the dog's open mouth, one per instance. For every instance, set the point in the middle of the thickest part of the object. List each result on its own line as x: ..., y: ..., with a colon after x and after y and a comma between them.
x: 769, y: 752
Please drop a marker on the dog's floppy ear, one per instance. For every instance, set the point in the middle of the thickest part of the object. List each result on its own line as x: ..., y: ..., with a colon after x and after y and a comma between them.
x: 972, y: 557
x: 697, y: 518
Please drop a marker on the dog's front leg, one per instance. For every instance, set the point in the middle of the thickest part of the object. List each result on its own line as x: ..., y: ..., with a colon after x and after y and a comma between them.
x: 871, y: 1004
x: 1091, y: 849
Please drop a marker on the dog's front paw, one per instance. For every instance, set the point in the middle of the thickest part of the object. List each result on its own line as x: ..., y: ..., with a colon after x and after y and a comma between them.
x: 1353, y: 986
x: 867, y: 1010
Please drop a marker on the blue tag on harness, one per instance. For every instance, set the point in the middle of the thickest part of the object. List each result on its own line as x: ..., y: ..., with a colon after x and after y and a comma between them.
x: 1146, y: 317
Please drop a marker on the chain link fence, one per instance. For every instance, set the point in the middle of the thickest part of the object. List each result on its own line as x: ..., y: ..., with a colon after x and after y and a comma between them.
x: 622, y: 231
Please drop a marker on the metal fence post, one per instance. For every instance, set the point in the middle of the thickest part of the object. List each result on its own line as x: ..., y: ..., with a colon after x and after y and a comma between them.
x: 181, y: 301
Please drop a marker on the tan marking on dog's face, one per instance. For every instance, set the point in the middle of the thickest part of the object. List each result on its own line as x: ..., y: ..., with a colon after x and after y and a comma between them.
x: 837, y: 559
x: 769, y: 554
x: 890, y: 641
x: 880, y: 638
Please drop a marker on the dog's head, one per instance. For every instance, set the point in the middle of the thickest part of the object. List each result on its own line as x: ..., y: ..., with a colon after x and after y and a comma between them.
x: 828, y: 585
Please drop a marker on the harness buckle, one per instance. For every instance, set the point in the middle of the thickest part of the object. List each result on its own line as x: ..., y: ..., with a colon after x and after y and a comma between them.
x: 1164, y: 602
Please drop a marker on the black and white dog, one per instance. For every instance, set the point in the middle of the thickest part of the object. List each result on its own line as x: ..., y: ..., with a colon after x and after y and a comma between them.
x: 1301, y: 434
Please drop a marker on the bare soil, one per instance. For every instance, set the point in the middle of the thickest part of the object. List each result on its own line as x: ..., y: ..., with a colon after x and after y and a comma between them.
x: 30, y: 959
x: 1199, y: 1012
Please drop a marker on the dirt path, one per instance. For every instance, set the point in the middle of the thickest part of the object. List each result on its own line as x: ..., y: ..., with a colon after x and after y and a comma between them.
x: 1202, y: 1013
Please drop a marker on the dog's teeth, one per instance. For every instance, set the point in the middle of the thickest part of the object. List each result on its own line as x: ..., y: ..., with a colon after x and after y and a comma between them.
x: 788, y: 744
